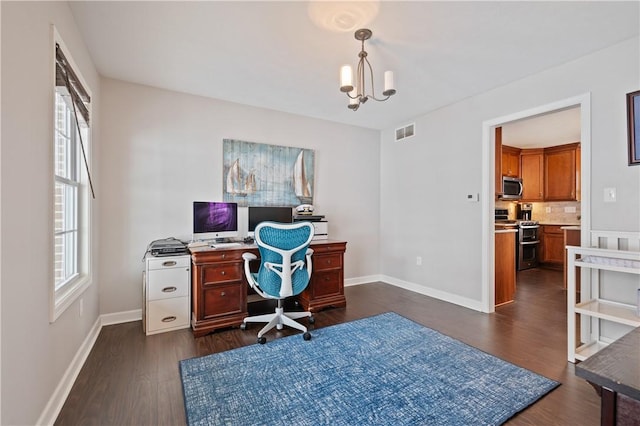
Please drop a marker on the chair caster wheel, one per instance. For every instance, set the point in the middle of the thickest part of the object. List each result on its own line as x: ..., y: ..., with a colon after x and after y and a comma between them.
x: 243, y: 326
x: 262, y: 340
x: 306, y: 336
x: 312, y: 320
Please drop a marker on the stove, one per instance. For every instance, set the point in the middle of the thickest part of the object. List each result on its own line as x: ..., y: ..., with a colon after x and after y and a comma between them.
x: 528, y: 223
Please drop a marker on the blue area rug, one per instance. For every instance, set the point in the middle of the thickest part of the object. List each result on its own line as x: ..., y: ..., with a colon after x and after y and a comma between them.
x: 382, y: 370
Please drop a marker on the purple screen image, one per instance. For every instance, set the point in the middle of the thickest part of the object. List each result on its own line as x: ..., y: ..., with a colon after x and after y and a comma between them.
x: 214, y: 217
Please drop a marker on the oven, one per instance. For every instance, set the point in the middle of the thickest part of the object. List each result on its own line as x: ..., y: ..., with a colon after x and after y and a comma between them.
x: 527, y: 245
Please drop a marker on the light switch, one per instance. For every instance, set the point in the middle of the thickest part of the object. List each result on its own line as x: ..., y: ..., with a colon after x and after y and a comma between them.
x: 609, y: 195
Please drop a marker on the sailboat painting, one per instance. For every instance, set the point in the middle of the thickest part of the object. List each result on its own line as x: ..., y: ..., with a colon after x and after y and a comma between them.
x: 256, y: 174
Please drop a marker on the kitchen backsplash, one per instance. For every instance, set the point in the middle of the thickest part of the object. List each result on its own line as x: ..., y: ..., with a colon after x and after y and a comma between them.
x: 561, y: 213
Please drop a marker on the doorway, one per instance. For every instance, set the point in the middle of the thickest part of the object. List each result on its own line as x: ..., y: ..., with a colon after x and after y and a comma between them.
x: 583, y: 102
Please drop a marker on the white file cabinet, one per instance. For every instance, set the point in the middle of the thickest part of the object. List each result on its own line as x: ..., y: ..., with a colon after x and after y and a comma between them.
x: 167, y: 293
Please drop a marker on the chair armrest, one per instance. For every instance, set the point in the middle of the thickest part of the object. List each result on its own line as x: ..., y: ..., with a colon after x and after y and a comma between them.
x: 309, y: 252
x: 249, y: 256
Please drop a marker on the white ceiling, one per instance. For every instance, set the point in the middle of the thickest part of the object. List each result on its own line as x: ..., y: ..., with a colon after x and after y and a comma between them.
x: 551, y: 129
x: 274, y: 55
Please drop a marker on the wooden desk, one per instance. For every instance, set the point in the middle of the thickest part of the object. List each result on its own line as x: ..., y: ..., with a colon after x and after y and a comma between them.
x: 219, y: 287
x: 615, y: 374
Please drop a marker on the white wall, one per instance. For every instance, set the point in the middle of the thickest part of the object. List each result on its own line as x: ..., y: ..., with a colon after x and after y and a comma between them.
x: 35, y: 353
x: 425, y: 179
x: 161, y: 150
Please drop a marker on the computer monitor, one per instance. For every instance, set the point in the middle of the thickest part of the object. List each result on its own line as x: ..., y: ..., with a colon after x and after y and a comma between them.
x: 214, y: 220
x: 273, y: 214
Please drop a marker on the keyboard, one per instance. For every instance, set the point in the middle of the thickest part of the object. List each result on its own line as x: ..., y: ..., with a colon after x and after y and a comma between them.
x: 225, y: 245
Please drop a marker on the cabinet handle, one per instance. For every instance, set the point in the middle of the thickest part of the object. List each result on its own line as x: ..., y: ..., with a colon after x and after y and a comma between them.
x: 169, y: 289
x: 169, y: 319
x: 222, y: 294
x: 169, y: 263
x: 224, y: 255
x: 222, y: 273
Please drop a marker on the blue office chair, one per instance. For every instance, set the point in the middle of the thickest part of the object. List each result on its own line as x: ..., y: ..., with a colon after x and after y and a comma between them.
x: 285, y: 270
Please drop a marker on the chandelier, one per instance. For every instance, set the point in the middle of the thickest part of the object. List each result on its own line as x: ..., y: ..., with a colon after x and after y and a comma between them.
x: 357, y: 93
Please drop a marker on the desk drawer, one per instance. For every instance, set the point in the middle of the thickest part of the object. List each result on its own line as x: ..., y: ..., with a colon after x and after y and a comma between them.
x: 222, y: 272
x: 167, y: 313
x: 327, y: 283
x: 224, y: 299
x: 326, y: 262
x: 167, y: 283
x: 170, y: 262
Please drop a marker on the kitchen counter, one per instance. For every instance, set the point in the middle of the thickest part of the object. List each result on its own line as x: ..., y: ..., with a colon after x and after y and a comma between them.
x: 502, y: 230
x: 571, y: 228
x: 560, y: 224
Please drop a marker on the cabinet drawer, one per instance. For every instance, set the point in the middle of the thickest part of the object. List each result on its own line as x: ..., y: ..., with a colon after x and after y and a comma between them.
x: 212, y: 274
x: 167, y: 313
x: 169, y: 262
x: 327, y: 261
x: 168, y: 283
x: 327, y: 283
x: 224, y: 299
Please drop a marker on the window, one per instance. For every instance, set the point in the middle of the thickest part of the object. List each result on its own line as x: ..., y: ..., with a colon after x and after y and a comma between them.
x: 72, y: 185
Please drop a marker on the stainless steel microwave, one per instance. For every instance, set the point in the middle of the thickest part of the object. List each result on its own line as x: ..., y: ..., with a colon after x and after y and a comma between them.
x: 511, y: 188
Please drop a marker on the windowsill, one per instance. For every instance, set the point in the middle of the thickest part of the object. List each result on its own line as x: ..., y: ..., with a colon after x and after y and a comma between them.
x: 65, y: 298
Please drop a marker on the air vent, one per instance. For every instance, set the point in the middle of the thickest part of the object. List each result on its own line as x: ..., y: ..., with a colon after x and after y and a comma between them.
x: 405, y: 132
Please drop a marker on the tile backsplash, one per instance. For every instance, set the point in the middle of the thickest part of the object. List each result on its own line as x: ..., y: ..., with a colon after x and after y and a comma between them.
x: 561, y: 212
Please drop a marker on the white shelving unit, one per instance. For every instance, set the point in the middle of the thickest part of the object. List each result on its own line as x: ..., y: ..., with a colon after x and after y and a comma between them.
x: 166, y: 293
x: 610, y: 251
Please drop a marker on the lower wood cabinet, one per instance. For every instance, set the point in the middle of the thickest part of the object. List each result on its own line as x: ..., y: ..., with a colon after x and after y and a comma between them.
x: 552, y: 246
x: 219, y: 287
x: 505, y: 267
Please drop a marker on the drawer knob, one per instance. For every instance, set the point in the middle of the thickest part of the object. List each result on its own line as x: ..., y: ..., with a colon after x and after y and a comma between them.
x: 222, y: 273
x: 222, y: 293
x: 169, y: 289
x: 169, y: 263
x: 169, y: 319
x: 224, y: 255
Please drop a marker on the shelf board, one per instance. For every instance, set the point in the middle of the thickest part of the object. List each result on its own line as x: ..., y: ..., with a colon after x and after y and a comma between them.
x: 585, y: 351
x: 611, y: 311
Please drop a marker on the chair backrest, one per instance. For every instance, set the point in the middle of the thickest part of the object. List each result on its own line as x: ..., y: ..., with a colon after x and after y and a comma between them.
x: 283, y: 247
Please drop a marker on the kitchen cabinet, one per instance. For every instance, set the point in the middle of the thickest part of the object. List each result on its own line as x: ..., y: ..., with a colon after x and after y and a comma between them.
x: 552, y: 246
x: 510, y: 161
x: 532, y: 173
x: 562, y: 173
x: 505, y: 266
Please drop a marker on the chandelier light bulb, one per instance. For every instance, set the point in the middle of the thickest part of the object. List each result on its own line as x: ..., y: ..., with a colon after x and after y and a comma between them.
x: 346, y: 79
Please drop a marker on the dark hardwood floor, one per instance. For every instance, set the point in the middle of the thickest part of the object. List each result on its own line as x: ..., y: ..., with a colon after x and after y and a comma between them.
x: 131, y: 379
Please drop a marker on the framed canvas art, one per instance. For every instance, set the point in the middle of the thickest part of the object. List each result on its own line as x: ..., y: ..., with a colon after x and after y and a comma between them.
x: 633, y: 127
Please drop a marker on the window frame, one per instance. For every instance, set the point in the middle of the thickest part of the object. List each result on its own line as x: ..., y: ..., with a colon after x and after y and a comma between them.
x: 73, y: 287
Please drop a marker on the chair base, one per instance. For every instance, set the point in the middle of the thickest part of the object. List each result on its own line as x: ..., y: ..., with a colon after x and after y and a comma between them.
x: 279, y: 319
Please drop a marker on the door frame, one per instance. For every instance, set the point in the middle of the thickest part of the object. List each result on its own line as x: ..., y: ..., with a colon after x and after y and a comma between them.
x: 488, y: 183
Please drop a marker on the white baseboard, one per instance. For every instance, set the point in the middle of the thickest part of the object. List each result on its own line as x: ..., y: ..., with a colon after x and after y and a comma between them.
x: 120, y: 317
x: 57, y: 400
x: 476, y: 305
x: 362, y: 280
x: 53, y: 407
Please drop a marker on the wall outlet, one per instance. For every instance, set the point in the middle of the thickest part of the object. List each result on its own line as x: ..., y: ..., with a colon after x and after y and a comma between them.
x: 547, y: 209
x: 609, y: 195
x: 570, y: 209
x: 473, y: 198
x: 419, y: 260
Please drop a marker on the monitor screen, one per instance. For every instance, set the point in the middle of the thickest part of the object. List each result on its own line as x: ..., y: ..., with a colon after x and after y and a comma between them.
x: 214, y: 220
x: 273, y: 214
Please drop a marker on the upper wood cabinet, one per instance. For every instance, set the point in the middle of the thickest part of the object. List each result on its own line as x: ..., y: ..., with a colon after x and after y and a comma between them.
x: 532, y: 173
x: 562, y: 173
x: 510, y: 161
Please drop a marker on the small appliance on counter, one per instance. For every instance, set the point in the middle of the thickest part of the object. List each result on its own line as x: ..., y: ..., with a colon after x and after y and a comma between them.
x: 524, y: 211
